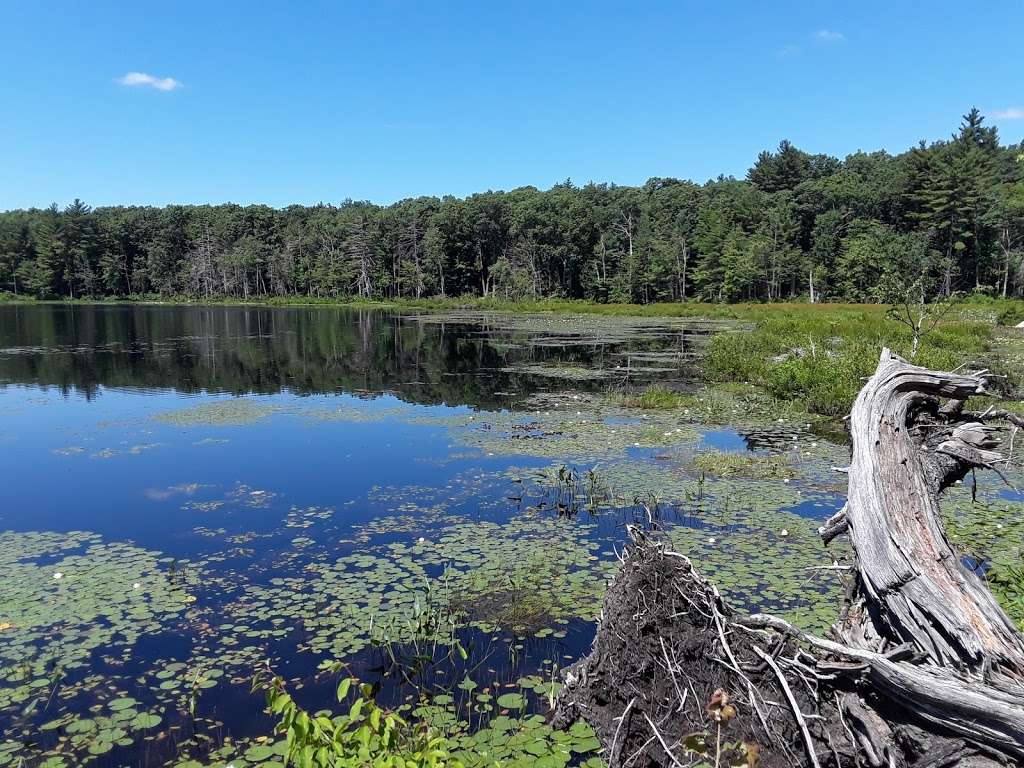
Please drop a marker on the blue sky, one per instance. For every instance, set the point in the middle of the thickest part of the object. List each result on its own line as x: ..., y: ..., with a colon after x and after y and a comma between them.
x: 302, y: 102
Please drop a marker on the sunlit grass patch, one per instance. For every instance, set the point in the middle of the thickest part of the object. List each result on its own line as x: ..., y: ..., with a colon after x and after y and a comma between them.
x: 818, y: 355
x: 718, y: 403
x: 753, y: 465
x: 658, y: 398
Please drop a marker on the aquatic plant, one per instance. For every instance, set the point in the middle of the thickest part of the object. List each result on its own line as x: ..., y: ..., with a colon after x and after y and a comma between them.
x: 364, y: 733
x: 66, y: 597
x: 753, y: 465
x: 236, y: 412
x: 658, y: 397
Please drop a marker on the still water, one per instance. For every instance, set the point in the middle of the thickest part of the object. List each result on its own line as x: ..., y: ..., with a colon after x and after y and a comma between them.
x: 194, y: 492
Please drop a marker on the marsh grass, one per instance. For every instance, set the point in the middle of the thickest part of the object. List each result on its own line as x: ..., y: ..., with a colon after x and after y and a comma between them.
x: 718, y: 403
x: 983, y: 403
x: 818, y: 355
x: 749, y: 465
x: 657, y: 398
x: 989, y: 310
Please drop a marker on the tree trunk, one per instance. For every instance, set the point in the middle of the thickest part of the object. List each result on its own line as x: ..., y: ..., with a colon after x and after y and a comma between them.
x: 686, y: 258
x: 923, y: 667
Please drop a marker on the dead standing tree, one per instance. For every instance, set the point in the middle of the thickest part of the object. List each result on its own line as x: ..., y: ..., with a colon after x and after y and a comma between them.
x: 923, y: 668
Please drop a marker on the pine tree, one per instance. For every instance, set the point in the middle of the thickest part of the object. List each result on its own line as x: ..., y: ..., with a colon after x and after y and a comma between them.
x: 37, y: 273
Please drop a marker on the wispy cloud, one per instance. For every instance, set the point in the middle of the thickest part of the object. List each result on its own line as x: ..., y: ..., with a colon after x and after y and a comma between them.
x: 787, y: 51
x: 141, y: 79
x: 1010, y: 113
x: 829, y: 36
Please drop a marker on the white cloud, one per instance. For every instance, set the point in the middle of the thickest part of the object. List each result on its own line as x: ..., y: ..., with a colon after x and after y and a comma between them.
x: 1011, y: 113
x: 829, y: 36
x: 148, y: 81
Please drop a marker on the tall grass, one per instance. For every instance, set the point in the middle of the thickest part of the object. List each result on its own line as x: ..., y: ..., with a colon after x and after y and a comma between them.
x: 819, y: 354
x: 657, y: 398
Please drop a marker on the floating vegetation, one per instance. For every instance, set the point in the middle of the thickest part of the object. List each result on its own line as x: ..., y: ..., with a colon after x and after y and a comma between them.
x: 65, y: 598
x: 512, y: 740
x: 566, y: 372
x: 577, y: 329
x: 986, y: 524
x: 363, y: 732
x: 246, y: 496
x: 182, y: 489
x: 237, y: 412
x: 765, y: 560
x: 354, y: 414
x: 211, y: 441
x: 521, y: 577
x: 307, y: 517
x: 753, y: 465
x: 71, y: 450
x: 485, y: 552
x: 560, y: 428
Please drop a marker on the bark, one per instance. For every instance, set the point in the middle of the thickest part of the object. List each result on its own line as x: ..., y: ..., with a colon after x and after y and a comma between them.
x: 923, y: 668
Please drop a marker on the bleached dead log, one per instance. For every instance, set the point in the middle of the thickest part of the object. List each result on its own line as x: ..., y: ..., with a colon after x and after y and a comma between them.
x: 924, y: 668
x: 914, y: 587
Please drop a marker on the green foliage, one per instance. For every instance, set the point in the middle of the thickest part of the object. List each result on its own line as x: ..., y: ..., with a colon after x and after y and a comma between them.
x: 657, y: 398
x: 753, y: 465
x: 819, y: 354
x: 800, y: 226
x: 363, y: 735
x: 366, y: 734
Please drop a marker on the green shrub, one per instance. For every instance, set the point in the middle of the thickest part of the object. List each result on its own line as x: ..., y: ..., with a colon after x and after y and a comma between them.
x: 364, y: 735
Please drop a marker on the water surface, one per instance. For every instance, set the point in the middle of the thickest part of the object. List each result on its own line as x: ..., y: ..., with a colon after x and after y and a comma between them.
x: 191, y: 492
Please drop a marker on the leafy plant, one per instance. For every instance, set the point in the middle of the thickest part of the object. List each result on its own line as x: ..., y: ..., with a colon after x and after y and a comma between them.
x: 364, y: 735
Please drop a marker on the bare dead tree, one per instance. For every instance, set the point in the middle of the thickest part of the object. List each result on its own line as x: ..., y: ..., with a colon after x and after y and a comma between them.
x: 912, y: 309
x: 359, y: 250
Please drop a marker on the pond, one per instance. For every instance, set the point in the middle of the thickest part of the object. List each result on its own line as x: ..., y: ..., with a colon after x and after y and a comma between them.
x: 192, y: 493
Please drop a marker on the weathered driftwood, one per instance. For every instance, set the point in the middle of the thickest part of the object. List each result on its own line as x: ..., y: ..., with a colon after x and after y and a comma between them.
x: 922, y: 669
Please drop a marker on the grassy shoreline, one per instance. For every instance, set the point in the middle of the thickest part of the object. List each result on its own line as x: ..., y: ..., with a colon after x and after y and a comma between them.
x: 1000, y: 311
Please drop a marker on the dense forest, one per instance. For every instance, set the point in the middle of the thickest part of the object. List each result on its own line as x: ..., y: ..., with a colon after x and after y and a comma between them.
x: 944, y: 217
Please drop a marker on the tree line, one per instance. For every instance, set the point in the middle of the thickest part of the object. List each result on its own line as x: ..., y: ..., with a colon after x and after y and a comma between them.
x: 946, y: 216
